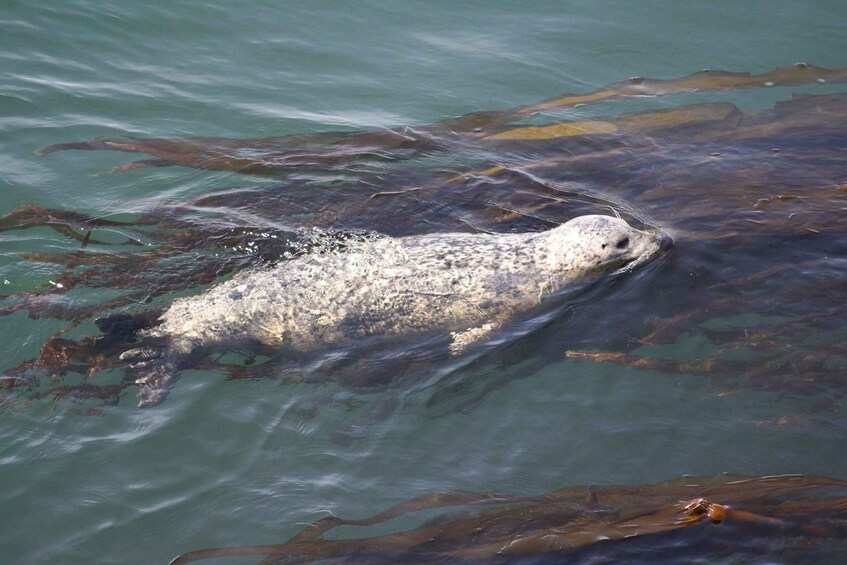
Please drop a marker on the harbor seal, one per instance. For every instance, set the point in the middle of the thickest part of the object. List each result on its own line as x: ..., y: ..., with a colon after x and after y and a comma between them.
x: 464, y: 286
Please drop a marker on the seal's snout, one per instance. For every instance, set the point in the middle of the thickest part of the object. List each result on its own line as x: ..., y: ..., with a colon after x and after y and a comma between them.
x: 665, y: 242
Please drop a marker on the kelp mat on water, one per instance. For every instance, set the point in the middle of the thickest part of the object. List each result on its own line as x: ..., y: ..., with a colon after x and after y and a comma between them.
x: 755, y: 200
x: 725, y: 515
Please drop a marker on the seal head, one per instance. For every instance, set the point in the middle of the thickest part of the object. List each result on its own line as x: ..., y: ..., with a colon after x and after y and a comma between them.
x: 595, y: 244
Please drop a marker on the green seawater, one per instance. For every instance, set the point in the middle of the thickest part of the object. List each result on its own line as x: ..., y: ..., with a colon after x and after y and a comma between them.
x: 249, y: 462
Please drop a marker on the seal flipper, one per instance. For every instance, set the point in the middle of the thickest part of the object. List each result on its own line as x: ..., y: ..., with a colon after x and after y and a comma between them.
x: 155, y: 384
x: 126, y: 326
x: 156, y: 370
x: 155, y: 363
x: 460, y: 341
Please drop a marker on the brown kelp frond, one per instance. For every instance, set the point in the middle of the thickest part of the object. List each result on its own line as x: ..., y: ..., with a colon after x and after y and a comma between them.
x: 273, y: 156
x: 794, y: 75
x: 503, y: 527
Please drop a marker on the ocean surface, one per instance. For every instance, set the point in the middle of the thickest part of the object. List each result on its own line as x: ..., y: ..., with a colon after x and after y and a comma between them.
x: 228, y: 462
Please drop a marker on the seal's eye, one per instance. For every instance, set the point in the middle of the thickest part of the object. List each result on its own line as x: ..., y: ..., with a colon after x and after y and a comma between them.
x: 622, y: 244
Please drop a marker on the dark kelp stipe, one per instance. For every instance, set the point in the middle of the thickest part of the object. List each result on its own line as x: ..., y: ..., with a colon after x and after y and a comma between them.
x: 755, y: 200
x: 662, y: 523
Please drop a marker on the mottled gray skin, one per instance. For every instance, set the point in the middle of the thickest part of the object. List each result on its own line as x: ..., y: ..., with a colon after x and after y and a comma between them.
x: 463, y: 284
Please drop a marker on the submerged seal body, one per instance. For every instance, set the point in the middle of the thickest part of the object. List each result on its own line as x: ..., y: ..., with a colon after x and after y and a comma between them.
x: 462, y: 284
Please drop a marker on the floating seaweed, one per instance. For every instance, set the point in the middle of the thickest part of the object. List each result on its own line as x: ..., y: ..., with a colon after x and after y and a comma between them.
x: 703, y: 516
x: 755, y: 199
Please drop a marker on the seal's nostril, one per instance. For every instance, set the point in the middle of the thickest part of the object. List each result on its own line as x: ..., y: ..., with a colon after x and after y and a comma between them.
x: 665, y: 242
